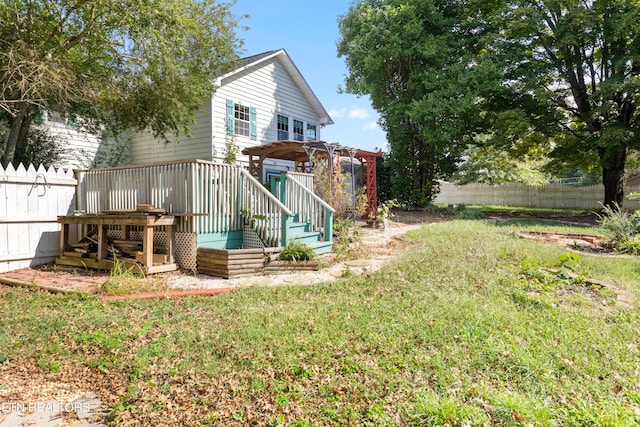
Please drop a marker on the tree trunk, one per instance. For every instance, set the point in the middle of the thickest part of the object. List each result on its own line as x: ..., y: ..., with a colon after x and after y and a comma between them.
x: 14, y: 135
x: 613, y: 162
x: 22, y: 138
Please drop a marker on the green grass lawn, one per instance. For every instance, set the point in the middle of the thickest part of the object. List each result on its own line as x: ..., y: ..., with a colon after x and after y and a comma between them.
x: 452, y: 333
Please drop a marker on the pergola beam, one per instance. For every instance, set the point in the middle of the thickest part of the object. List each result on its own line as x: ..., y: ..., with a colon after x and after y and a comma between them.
x: 300, y: 152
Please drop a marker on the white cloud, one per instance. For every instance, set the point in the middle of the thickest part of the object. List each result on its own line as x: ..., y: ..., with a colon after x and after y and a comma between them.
x: 371, y: 126
x: 337, y: 113
x: 352, y: 113
x: 358, y: 113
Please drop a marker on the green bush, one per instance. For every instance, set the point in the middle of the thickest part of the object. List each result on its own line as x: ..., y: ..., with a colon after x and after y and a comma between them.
x: 296, y: 251
x: 622, y: 230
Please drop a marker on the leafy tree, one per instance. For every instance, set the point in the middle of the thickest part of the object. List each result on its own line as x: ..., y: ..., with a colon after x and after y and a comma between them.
x: 564, y: 70
x: 418, y: 61
x: 39, y: 148
x: 119, y: 64
x: 490, y: 165
x: 573, y: 67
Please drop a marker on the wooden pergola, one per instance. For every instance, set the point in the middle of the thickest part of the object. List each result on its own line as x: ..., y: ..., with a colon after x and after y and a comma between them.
x: 301, y: 153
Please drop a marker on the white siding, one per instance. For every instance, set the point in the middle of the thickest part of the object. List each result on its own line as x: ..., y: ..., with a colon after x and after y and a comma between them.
x: 145, y: 149
x: 271, y: 90
x: 79, y: 147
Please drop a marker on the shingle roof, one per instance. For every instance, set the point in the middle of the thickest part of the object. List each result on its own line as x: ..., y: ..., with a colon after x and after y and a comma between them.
x: 253, y: 58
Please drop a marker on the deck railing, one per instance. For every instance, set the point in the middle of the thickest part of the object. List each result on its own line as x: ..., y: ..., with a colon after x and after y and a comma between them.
x: 304, y: 202
x: 264, y: 212
x: 204, y: 195
x: 306, y: 179
x: 207, y: 197
x: 217, y: 198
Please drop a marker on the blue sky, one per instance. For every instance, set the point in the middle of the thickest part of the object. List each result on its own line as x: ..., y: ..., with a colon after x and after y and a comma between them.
x: 308, y: 31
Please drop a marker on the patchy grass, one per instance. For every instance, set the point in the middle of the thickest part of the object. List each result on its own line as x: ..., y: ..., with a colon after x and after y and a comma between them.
x: 529, y: 210
x: 537, y: 224
x: 447, y: 335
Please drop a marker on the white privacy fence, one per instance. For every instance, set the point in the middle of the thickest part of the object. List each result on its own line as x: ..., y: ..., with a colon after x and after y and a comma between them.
x: 30, y: 202
x: 558, y: 196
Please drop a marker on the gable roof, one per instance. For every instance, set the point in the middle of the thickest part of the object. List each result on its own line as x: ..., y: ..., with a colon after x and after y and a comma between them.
x: 296, y: 76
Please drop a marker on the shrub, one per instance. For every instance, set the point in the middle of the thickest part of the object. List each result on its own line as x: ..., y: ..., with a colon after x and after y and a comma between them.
x: 296, y: 251
x: 620, y: 228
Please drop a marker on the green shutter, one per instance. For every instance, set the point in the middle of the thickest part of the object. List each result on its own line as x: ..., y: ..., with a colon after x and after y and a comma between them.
x: 230, y: 129
x: 253, y: 123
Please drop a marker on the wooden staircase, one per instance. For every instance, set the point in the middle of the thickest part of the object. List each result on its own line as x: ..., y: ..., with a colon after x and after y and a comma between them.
x: 299, y: 232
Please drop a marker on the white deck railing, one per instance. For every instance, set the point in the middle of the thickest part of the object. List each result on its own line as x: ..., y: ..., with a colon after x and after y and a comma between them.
x: 207, y: 197
x: 310, y: 208
x: 267, y: 215
x: 200, y: 193
x: 306, y: 179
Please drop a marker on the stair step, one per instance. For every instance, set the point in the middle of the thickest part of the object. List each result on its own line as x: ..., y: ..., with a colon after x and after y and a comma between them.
x: 321, y: 247
x: 298, y: 227
x: 306, y: 237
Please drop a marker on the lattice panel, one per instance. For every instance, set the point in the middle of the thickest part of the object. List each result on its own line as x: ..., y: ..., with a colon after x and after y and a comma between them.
x: 185, y: 245
x: 114, y: 234
x: 250, y: 239
x: 186, y: 248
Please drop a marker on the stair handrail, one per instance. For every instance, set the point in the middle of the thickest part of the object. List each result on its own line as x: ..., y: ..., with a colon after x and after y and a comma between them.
x: 263, y: 190
x: 323, y: 220
x: 272, y: 216
x: 312, y: 194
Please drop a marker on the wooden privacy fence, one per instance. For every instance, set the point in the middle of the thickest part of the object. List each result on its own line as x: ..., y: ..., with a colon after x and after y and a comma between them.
x: 559, y: 196
x: 30, y: 202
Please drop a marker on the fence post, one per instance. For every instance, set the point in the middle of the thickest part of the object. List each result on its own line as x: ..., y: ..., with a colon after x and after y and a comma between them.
x: 283, y: 188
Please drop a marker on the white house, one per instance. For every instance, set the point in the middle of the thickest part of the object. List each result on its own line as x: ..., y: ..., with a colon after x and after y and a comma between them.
x: 78, y: 148
x: 265, y: 99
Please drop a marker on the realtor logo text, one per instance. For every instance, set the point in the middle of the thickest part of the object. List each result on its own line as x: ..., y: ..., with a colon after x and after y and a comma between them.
x: 50, y: 407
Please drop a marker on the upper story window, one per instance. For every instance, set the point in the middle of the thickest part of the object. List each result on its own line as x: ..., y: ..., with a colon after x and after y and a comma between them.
x: 241, y: 122
x: 298, y: 130
x: 70, y: 120
x: 283, y: 127
x: 312, y: 133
